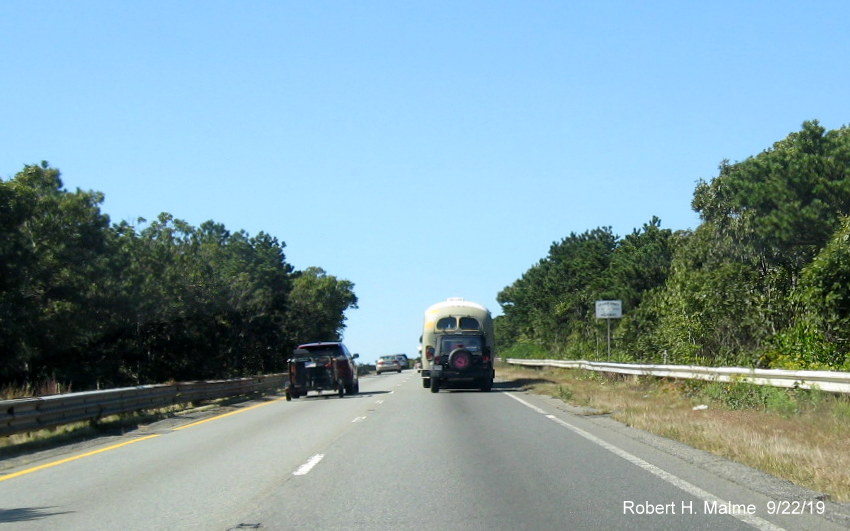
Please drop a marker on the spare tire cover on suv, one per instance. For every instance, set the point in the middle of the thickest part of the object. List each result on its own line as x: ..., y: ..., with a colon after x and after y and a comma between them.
x: 460, y: 359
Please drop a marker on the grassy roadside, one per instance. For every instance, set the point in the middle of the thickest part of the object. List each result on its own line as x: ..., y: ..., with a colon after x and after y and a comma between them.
x: 797, y: 435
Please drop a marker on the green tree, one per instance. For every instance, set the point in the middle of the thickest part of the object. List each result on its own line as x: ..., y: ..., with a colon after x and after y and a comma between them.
x: 552, y: 303
x: 96, y: 305
x: 711, y: 308
x: 765, y: 219
x: 640, y: 262
x: 640, y: 266
x: 739, y: 289
x: 54, y: 251
x: 821, y: 336
x: 782, y: 206
x: 317, y: 306
x: 205, y: 302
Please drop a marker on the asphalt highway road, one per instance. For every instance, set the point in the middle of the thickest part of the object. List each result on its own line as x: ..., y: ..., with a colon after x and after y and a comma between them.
x: 394, y: 457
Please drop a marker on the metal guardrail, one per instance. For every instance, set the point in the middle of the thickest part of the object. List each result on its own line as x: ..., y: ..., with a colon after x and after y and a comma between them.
x: 830, y: 381
x: 30, y: 414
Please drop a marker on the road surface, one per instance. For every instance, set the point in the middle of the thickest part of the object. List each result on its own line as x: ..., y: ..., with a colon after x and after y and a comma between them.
x: 395, y: 457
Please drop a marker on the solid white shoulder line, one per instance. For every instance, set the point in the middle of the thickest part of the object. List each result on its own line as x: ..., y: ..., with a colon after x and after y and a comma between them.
x: 690, y: 488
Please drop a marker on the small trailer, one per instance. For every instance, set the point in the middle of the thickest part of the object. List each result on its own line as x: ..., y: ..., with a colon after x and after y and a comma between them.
x: 310, y: 371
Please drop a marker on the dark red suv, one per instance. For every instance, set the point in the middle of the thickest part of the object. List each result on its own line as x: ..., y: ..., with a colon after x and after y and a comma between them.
x: 345, y: 364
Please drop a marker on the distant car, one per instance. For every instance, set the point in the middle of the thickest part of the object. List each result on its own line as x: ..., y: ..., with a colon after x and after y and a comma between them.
x: 387, y: 363
x: 403, y: 361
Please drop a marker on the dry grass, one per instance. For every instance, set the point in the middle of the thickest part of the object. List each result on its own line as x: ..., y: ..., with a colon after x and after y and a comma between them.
x: 798, y: 438
x: 41, y: 388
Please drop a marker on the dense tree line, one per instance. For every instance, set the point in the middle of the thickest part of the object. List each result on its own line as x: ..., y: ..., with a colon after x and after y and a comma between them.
x: 90, y: 303
x: 764, y: 280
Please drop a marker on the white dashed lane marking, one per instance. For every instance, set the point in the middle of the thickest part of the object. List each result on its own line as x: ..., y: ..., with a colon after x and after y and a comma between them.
x: 308, y: 466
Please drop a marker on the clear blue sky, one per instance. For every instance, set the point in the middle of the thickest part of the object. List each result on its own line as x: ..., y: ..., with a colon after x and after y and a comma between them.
x: 421, y: 150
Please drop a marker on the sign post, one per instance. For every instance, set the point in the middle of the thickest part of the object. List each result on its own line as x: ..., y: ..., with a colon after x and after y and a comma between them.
x: 609, y: 310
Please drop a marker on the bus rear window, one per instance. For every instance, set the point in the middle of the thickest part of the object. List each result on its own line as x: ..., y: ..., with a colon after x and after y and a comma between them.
x: 469, y: 323
x: 447, y: 323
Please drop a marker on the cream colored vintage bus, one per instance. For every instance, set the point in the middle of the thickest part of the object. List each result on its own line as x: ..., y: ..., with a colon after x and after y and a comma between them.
x: 458, y: 346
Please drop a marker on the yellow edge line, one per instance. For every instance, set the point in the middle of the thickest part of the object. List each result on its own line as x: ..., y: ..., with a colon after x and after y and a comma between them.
x: 114, y: 446
x: 226, y: 414
x: 69, y: 459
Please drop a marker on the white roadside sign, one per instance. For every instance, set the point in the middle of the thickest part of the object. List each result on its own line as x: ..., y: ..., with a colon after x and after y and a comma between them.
x: 609, y: 309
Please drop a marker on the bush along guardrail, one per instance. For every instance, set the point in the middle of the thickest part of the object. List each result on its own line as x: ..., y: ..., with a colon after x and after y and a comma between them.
x: 830, y: 381
x: 29, y: 414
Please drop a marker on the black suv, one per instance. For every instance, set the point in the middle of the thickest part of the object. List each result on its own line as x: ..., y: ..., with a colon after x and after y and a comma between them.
x: 462, y: 359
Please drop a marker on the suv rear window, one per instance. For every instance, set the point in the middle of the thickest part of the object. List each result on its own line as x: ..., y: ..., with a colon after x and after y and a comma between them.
x: 470, y: 343
x: 323, y: 350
